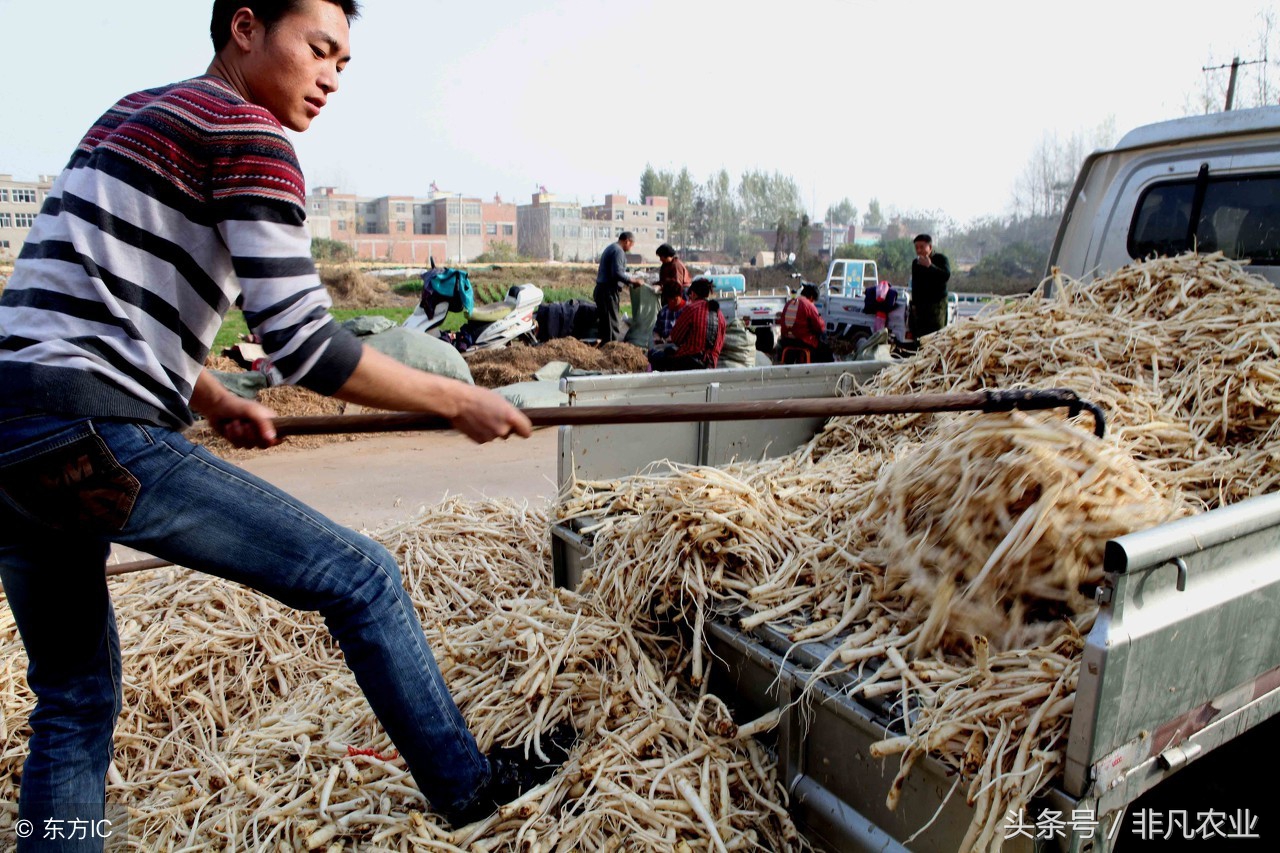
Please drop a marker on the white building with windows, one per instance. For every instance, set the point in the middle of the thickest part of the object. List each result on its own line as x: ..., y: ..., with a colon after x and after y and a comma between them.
x: 553, y: 230
x: 646, y: 219
x: 20, y: 202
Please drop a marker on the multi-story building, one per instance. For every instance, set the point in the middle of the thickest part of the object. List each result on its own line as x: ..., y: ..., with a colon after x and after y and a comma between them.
x: 390, y: 214
x: 646, y: 220
x: 458, y: 219
x: 445, y: 226
x: 500, y: 224
x: 20, y: 203
x: 553, y: 230
x: 387, y: 228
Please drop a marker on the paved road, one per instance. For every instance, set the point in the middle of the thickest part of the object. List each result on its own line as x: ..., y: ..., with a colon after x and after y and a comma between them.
x: 381, y: 480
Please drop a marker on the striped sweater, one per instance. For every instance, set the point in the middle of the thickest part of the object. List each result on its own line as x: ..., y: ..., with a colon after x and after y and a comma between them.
x: 180, y: 202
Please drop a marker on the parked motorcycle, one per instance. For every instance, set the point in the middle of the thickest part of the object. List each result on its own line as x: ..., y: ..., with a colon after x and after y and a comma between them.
x: 487, y: 326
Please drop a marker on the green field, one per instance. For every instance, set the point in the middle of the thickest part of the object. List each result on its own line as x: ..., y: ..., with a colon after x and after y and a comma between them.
x: 234, y: 325
x: 559, y: 283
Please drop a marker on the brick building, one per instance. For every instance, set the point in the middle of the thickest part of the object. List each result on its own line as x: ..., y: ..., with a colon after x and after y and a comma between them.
x: 500, y: 224
x: 447, y: 226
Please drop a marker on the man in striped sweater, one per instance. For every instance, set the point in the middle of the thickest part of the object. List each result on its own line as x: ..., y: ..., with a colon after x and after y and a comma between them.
x: 178, y: 203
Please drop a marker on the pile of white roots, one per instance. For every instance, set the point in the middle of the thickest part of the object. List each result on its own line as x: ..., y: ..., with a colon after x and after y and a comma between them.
x: 947, y: 560
x: 244, y: 730
x: 950, y: 560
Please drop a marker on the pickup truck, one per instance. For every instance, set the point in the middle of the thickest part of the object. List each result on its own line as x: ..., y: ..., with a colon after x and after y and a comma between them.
x: 1206, y: 182
x: 1179, y: 687
x: 841, y: 302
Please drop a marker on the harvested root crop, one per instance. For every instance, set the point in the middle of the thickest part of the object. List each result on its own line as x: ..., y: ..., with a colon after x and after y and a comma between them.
x: 244, y: 730
x: 995, y: 527
x: 936, y: 555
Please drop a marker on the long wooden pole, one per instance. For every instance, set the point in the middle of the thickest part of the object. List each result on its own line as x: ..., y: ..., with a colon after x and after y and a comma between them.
x: 814, y: 407
x: 809, y: 407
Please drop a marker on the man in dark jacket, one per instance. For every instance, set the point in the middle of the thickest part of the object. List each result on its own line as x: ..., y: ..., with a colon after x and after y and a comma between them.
x: 930, y: 272
x: 610, y: 279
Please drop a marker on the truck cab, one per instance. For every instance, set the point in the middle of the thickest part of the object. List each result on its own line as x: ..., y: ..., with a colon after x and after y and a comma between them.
x: 848, y: 277
x: 1210, y: 183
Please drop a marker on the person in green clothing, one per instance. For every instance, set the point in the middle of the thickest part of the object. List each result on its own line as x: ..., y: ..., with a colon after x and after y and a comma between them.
x: 930, y: 272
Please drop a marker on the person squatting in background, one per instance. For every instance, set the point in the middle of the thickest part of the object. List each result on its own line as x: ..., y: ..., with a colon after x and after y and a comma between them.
x: 698, y: 335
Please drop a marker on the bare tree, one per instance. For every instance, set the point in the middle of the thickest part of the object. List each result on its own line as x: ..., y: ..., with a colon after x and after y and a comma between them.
x: 1257, y: 73
x: 1046, y: 180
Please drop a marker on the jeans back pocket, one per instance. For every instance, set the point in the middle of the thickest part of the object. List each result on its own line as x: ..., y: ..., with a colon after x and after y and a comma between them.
x: 70, y: 482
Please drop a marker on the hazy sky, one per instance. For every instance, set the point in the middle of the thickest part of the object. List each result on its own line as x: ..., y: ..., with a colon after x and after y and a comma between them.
x: 922, y: 104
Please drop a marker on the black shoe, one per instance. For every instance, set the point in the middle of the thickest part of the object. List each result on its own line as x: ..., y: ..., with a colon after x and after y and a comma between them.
x: 512, y: 774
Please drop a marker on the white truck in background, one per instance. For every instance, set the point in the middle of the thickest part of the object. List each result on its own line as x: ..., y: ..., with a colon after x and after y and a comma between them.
x: 841, y: 302
x: 1178, y: 701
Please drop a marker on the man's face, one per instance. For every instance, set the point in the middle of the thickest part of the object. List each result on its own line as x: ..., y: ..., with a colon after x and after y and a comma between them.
x: 924, y: 249
x: 668, y: 259
x: 292, y: 69
x: 626, y: 244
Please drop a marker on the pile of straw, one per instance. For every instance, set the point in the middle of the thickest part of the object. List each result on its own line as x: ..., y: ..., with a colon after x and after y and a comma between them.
x: 518, y: 362
x: 350, y: 287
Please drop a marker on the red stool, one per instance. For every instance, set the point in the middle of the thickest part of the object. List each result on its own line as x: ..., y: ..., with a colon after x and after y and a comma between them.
x: 794, y: 355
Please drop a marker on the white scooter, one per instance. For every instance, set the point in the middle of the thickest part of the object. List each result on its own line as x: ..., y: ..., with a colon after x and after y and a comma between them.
x: 496, y: 325
x: 487, y: 326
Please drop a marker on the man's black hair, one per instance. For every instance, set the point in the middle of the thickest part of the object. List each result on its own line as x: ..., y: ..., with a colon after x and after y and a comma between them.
x: 626, y: 235
x: 923, y: 237
x: 810, y: 291
x: 701, y: 287
x: 670, y: 290
x: 665, y: 251
x: 268, y: 11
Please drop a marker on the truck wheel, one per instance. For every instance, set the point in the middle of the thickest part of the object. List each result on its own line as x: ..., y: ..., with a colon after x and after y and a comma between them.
x: 764, y: 339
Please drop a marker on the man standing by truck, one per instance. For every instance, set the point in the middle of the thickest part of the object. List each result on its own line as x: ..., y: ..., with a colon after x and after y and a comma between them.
x: 178, y: 203
x: 930, y: 272
x: 610, y: 279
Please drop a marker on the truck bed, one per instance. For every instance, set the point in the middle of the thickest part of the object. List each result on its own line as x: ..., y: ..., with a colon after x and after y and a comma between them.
x: 1184, y: 655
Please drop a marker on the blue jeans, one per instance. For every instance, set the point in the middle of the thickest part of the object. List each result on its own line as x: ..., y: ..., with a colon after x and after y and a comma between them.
x: 69, y: 487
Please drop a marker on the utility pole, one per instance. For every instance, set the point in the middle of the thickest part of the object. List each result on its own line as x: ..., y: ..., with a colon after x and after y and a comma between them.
x: 1231, y: 83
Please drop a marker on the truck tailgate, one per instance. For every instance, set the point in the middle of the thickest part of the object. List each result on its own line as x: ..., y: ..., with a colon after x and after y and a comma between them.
x: 1185, y: 654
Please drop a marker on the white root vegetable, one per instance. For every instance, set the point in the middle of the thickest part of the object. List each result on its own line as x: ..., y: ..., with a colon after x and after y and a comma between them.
x: 945, y: 560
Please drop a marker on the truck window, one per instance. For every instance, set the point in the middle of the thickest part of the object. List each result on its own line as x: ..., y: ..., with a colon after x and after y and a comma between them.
x: 1239, y: 215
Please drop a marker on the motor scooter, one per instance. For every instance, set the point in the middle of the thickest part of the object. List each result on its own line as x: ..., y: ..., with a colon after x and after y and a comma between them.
x: 487, y: 326
x: 498, y: 324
